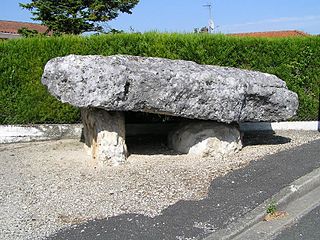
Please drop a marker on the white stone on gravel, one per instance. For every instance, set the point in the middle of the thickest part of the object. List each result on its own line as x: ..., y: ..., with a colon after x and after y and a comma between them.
x: 206, y: 139
x: 104, y: 135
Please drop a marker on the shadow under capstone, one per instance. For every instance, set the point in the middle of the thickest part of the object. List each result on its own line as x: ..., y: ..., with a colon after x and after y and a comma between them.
x: 263, y: 138
x: 147, y: 133
x: 149, y: 145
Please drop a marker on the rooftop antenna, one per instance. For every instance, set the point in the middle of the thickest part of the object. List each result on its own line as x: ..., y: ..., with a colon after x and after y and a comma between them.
x: 210, y: 23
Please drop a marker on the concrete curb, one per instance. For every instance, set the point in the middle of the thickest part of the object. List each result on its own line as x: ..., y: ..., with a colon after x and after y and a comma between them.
x: 296, y: 190
x: 41, y: 132
x: 273, y: 126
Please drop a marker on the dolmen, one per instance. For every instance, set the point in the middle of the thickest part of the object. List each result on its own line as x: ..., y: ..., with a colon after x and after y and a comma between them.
x: 219, y: 98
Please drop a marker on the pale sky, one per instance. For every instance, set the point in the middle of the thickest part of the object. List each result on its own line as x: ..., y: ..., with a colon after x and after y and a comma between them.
x: 230, y: 16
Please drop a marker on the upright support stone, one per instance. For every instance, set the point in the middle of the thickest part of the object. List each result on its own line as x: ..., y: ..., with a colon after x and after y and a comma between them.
x: 104, y: 134
x: 206, y: 139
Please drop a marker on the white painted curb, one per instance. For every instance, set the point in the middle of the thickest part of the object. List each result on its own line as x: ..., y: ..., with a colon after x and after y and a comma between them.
x: 11, y: 134
x: 265, y: 126
x: 41, y: 132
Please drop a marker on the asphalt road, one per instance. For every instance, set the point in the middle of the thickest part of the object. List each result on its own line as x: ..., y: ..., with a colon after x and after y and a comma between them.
x: 229, y: 198
x: 307, y: 228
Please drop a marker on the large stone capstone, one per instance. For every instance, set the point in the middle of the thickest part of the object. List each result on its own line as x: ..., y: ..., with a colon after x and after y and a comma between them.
x: 171, y: 87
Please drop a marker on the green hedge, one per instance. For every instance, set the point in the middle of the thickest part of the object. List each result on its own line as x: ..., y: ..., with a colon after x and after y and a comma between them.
x: 23, y: 99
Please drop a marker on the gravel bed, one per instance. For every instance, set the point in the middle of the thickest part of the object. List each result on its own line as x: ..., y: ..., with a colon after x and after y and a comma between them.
x: 46, y: 186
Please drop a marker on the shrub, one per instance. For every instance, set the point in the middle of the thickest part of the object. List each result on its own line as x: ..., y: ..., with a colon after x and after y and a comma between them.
x: 23, y: 99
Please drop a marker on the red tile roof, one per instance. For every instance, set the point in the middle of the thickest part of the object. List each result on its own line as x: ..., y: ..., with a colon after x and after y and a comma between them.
x: 13, y: 27
x: 275, y: 34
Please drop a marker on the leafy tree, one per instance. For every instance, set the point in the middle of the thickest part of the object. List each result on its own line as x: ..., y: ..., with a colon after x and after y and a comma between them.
x: 201, y: 30
x: 27, y: 33
x: 77, y: 16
